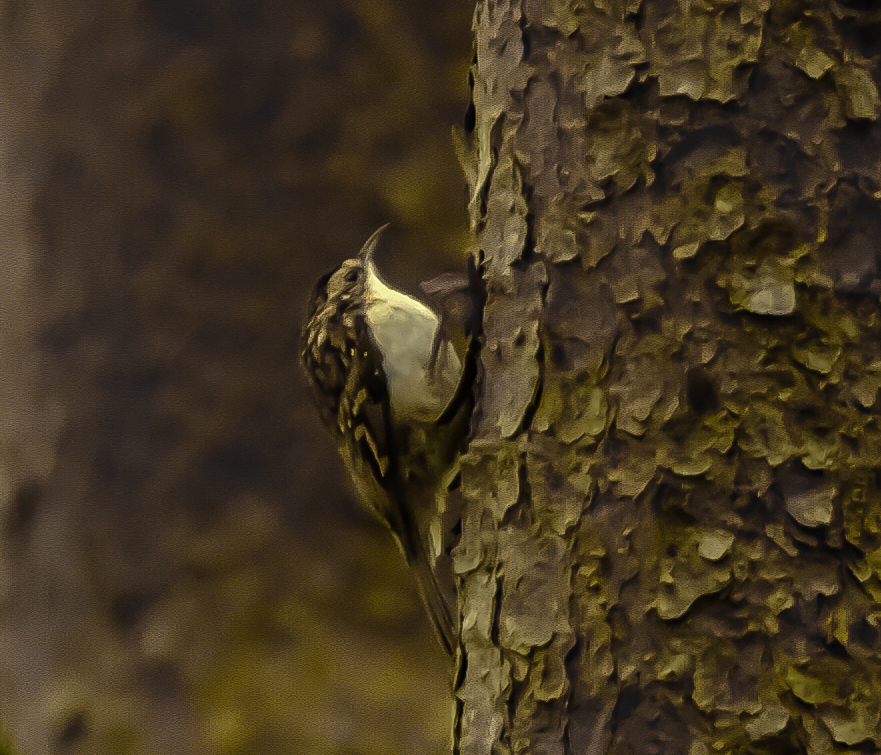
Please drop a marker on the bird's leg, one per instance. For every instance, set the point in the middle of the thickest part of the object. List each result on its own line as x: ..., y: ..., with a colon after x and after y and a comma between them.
x: 451, y: 288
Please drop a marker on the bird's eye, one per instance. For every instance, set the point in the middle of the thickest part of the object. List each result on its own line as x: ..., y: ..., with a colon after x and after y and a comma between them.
x: 351, y: 276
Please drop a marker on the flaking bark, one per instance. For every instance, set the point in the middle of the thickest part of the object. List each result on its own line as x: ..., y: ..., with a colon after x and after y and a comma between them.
x: 670, y: 540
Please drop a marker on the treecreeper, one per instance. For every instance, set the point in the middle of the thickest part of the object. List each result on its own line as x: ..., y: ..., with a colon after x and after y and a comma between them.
x: 397, y: 398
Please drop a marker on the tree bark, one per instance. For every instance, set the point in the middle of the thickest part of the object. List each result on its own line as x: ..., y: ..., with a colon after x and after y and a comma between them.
x: 670, y: 540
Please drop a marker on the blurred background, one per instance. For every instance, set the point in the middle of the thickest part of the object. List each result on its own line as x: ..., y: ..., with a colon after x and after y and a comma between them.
x: 182, y: 566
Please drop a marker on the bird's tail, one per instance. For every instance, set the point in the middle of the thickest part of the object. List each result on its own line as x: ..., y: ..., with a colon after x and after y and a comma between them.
x: 441, y: 608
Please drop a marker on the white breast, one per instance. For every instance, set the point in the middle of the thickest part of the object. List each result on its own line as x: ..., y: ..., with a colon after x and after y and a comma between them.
x: 404, y: 329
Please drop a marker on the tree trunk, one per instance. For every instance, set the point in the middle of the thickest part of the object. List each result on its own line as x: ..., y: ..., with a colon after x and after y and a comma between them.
x: 671, y: 533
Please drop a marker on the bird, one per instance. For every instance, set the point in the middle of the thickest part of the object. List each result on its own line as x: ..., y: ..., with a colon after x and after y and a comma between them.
x: 388, y: 387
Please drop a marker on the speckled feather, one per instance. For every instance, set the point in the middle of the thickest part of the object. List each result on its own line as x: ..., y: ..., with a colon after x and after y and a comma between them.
x: 345, y: 369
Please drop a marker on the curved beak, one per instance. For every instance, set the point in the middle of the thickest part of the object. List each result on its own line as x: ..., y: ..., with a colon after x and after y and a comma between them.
x: 366, y: 253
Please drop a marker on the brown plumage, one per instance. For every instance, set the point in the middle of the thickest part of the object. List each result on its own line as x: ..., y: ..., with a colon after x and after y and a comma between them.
x: 395, y: 461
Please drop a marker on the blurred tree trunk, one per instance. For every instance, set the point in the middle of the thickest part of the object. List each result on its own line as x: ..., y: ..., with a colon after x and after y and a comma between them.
x: 672, y: 515
x: 173, y: 578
